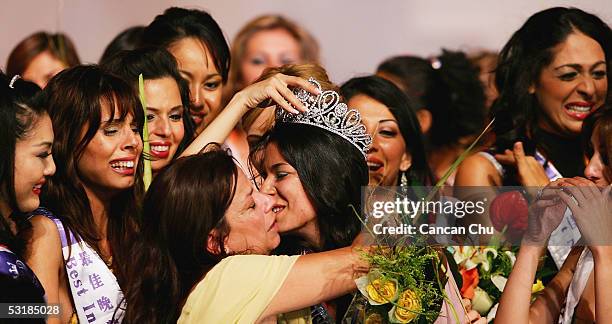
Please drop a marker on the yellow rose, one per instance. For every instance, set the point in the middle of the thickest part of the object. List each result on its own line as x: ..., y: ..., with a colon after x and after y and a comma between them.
x: 382, y: 291
x: 408, y: 305
x: 537, y: 287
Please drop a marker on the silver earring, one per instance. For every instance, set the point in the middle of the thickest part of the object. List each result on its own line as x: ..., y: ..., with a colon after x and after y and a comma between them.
x: 404, y: 183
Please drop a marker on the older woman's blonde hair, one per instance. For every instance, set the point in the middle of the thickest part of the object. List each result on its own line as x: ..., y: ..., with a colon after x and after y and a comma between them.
x: 304, y: 71
x: 309, y: 48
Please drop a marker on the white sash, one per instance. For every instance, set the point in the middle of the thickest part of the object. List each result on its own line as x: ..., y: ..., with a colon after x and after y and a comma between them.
x: 584, y: 268
x: 565, y: 236
x: 95, y: 291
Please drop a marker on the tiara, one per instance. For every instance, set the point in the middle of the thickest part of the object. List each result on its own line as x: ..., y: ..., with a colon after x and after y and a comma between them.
x: 326, y: 111
x: 15, y: 78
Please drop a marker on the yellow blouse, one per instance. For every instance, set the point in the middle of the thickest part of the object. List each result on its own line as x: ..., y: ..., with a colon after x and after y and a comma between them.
x: 237, y: 290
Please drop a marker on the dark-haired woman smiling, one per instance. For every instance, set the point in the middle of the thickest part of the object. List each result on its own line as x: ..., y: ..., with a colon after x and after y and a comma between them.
x: 197, y: 42
x: 26, y: 137
x: 397, y: 156
x: 551, y: 75
x: 79, y: 247
x: 167, y: 95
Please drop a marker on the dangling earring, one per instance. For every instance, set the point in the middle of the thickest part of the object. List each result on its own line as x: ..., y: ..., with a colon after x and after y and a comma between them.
x: 404, y: 183
x: 226, y: 249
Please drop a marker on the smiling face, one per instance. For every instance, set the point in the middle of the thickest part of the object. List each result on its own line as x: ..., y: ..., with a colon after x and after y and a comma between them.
x: 268, y: 48
x: 42, y: 68
x: 252, y: 223
x: 293, y: 209
x: 196, y: 65
x: 572, y: 86
x: 388, y: 154
x: 164, y: 119
x: 33, y: 164
x: 109, y: 160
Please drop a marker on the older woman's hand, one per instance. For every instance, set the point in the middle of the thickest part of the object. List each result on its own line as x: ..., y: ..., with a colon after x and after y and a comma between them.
x: 275, y: 89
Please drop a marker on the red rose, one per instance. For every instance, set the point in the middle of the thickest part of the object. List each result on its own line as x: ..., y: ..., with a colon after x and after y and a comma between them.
x: 470, y: 282
x: 509, y: 210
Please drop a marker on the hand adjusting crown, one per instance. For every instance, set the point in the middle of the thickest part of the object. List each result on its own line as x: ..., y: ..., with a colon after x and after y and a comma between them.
x: 327, y: 112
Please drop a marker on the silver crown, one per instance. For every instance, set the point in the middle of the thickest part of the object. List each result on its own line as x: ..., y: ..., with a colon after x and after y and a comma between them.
x: 326, y: 111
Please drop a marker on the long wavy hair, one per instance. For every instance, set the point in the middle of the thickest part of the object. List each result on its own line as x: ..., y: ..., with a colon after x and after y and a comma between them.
x: 520, y: 64
x: 75, y: 99
x: 185, y: 202
x: 403, y: 110
x: 18, y: 115
x: 331, y: 169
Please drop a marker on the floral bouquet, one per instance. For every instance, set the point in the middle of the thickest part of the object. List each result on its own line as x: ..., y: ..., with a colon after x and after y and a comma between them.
x: 484, y: 272
x: 404, y: 285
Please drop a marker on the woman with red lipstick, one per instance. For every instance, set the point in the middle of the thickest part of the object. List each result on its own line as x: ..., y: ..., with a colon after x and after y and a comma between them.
x: 195, y: 39
x: 315, y: 177
x: 167, y: 94
x: 552, y: 74
x: 397, y: 156
x: 449, y: 103
x: 78, y: 247
x: 26, y: 137
x: 205, y: 240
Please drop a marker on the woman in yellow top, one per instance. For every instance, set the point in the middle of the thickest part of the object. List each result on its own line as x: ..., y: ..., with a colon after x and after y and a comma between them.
x: 203, y: 259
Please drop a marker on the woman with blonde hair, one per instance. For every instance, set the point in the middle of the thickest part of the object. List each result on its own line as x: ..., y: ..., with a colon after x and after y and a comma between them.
x: 268, y: 41
x: 264, y: 42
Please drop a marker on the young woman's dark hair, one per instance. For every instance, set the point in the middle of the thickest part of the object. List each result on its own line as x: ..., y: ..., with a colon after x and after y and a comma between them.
x: 599, y: 123
x: 403, y: 110
x: 126, y: 40
x: 448, y: 87
x: 332, y: 172
x: 59, y: 45
x: 520, y: 63
x: 18, y: 115
x: 75, y: 99
x: 180, y: 261
x: 153, y: 63
x: 178, y: 23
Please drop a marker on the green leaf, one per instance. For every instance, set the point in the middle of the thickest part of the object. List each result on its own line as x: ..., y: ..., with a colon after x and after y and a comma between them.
x: 456, y: 164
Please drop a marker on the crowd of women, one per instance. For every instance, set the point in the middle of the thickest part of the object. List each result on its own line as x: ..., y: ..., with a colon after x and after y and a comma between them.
x: 258, y: 162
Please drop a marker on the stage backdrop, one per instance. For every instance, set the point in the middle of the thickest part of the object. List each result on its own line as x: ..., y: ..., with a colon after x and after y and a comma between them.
x: 355, y: 35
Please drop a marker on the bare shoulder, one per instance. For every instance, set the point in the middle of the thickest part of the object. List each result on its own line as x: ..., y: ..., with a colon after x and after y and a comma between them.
x: 477, y: 170
x: 43, y: 227
x: 45, y: 239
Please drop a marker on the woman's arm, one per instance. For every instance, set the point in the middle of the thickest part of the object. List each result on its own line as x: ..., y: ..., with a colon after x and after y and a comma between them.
x: 545, y: 214
x: 476, y: 180
x: 514, y: 305
x: 315, y: 278
x: 603, y: 281
x: 592, y: 207
x: 44, y: 256
x: 275, y: 88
